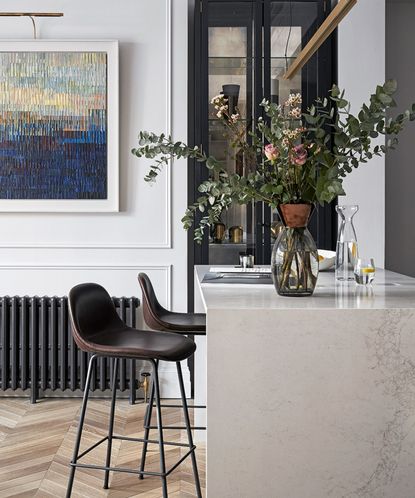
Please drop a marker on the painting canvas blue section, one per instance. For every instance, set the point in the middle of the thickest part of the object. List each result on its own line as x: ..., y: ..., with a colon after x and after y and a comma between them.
x: 53, y: 125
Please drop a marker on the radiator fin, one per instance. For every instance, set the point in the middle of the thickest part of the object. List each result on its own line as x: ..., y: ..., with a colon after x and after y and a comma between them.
x: 37, y: 350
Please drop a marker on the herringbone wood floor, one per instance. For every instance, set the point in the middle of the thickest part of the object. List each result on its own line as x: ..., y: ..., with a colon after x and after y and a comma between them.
x: 36, y: 443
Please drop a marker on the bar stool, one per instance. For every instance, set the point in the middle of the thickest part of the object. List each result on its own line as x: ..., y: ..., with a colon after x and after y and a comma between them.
x: 160, y: 319
x: 97, y: 329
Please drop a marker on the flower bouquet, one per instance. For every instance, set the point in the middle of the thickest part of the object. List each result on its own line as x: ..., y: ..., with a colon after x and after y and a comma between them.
x: 291, y: 161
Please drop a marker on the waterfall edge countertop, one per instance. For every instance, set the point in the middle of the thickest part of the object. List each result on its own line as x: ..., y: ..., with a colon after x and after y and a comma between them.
x: 309, y: 397
x: 389, y: 290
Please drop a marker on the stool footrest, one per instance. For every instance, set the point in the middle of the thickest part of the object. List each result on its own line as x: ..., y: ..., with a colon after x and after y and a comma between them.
x: 92, y: 447
x: 179, y: 406
x: 175, y: 427
x: 151, y: 441
x: 133, y: 471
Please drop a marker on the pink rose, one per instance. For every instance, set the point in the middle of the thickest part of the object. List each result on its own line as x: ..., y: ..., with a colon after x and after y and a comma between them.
x: 299, y: 155
x: 271, y: 152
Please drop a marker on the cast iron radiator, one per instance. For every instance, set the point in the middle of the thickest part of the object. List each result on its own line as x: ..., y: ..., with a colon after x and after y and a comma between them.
x: 37, y: 350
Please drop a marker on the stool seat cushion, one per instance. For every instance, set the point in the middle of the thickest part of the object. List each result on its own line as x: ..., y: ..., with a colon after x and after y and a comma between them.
x: 126, y: 341
x: 158, y: 318
x: 97, y: 328
x: 183, y: 322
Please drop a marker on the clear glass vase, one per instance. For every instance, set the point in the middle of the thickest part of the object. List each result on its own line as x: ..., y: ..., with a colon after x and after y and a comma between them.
x: 294, y: 260
x: 347, y: 249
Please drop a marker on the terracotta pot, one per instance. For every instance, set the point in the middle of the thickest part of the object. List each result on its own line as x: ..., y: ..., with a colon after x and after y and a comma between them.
x: 295, y: 215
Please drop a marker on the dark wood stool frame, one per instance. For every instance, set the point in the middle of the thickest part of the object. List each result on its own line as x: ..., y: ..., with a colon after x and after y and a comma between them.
x: 155, y: 393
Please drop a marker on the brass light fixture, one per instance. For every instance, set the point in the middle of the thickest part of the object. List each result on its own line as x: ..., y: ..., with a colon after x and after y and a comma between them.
x: 31, y: 16
x: 320, y: 36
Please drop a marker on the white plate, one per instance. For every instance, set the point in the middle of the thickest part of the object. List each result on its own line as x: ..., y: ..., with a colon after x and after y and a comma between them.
x: 328, y: 261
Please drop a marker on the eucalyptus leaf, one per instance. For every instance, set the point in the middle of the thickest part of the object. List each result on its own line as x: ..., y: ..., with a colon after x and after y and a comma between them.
x: 306, y: 160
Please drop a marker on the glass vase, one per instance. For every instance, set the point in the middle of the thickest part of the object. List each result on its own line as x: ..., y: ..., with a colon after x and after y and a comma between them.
x: 294, y: 260
x: 347, y: 249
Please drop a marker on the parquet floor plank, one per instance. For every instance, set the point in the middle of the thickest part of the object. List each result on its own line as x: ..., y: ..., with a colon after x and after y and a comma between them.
x: 36, y: 444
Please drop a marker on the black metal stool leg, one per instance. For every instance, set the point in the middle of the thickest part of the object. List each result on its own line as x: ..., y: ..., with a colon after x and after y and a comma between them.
x: 188, y: 429
x: 147, y: 423
x: 80, y: 427
x: 160, y: 429
x: 111, y: 421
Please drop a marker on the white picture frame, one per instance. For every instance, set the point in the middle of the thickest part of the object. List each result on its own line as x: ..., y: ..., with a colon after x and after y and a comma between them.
x: 111, y: 202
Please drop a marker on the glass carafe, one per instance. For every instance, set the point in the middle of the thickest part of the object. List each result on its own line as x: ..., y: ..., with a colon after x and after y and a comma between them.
x: 347, y: 249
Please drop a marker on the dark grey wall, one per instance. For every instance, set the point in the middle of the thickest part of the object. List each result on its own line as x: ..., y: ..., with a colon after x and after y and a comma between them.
x: 400, y: 164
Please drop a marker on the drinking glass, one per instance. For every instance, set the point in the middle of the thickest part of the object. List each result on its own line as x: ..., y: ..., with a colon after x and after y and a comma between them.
x: 246, y: 260
x: 364, y: 271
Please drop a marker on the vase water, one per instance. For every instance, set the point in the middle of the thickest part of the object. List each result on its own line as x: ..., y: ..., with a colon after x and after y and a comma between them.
x: 294, y: 260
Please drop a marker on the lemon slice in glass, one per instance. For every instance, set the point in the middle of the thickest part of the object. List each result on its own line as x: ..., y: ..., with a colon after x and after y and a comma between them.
x: 367, y: 270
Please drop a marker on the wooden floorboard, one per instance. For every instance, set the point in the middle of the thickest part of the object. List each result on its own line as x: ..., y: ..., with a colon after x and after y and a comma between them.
x: 36, y: 444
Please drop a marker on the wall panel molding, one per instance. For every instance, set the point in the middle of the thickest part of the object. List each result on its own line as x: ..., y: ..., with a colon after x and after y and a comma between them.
x: 136, y: 268
x: 167, y: 244
x: 13, y: 245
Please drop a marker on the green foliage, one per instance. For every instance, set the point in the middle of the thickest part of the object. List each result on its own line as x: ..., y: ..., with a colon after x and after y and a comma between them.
x: 312, y: 153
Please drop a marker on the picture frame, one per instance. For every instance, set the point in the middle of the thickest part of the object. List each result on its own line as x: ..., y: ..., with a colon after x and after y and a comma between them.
x: 59, y: 149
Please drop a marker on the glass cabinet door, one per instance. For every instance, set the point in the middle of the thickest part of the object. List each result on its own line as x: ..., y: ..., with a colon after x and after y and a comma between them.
x: 230, y: 73
x: 245, y: 49
x: 291, y: 25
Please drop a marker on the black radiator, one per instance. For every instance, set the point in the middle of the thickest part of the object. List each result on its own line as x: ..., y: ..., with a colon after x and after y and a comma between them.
x: 37, y: 350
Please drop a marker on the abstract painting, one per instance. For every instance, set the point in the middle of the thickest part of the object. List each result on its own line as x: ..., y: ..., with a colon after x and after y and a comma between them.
x: 54, y: 127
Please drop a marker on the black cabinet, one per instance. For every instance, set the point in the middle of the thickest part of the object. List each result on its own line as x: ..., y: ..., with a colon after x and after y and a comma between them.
x: 249, y: 45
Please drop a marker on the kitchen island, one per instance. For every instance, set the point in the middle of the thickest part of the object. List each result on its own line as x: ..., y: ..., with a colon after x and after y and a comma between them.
x: 309, y: 397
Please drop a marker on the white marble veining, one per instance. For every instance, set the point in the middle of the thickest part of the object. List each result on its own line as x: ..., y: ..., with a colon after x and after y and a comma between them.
x: 311, y: 397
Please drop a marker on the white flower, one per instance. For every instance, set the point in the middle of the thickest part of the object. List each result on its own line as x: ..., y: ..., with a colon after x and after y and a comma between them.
x: 216, y: 99
x: 294, y: 100
x: 295, y: 112
x: 235, y: 118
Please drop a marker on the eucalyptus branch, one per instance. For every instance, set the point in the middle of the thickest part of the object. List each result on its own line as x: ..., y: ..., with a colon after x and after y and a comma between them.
x: 292, y: 156
x: 152, y: 146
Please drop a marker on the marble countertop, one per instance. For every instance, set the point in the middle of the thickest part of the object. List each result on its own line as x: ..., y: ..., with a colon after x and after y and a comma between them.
x: 389, y: 291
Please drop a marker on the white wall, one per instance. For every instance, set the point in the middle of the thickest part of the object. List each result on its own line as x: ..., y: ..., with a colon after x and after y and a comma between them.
x: 48, y: 253
x: 361, y: 60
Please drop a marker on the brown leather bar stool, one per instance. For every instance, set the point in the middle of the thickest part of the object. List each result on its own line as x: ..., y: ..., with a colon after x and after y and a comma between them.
x: 160, y: 319
x: 97, y: 329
